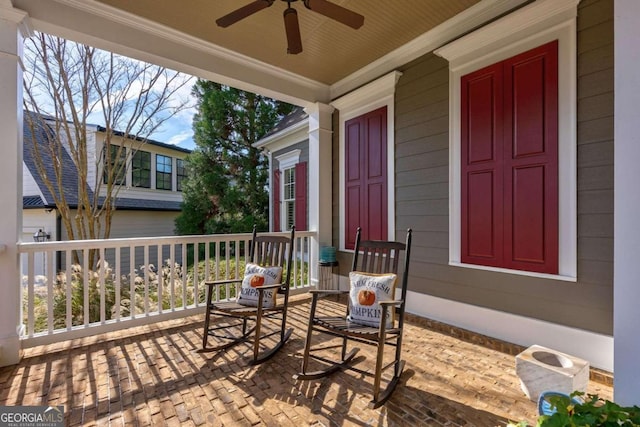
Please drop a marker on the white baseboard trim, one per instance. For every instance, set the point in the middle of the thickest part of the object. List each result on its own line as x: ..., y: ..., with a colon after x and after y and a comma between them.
x: 593, y: 347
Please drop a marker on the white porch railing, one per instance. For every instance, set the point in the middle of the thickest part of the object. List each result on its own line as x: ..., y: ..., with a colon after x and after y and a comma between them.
x: 131, y: 282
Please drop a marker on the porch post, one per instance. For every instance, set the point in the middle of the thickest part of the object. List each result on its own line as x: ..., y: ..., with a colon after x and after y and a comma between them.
x: 320, y: 167
x: 626, y: 286
x: 12, y: 31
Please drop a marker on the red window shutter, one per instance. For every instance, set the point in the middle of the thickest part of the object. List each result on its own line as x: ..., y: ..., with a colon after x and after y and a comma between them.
x: 366, y: 176
x: 531, y: 160
x: 301, y: 196
x: 509, y: 163
x: 481, y: 166
x: 354, y: 170
x: 275, y: 188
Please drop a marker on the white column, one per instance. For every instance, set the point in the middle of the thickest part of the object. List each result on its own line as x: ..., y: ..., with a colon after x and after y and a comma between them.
x: 626, y: 282
x: 12, y: 31
x: 320, y: 169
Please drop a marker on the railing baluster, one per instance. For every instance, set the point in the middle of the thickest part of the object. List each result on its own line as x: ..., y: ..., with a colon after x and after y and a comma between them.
x: 207, y: 261
x: 101, y: 271
x: 146, y: 280
x: 50, y: 278
x: 117, y: 282
x: 160, y: 276
x: 69, y: 288
x: 185, y: 277
x: 85, y: 281
x: 217, y: 288
x: 196, y: 278
x: 172, y: 272
x: 132, y: 282
x: 30, y: 293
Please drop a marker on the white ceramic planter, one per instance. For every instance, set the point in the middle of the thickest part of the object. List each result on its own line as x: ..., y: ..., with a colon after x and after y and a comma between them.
x: 541, y: 369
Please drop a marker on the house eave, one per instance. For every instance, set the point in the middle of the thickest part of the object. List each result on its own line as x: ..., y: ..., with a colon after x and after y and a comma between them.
x: 269, y: 141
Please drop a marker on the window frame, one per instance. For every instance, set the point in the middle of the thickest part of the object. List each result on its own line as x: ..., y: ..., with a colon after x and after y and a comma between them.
x: 164, y: 173
x: 290, y: 202
x: 181, y: 173
x: 377, y: 94
x: 287, y: 161
x: 524, y: 29
x: 140, y: 168
x: 113, y: 152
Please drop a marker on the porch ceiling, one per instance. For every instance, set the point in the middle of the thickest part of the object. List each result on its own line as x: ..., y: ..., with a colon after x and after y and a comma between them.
x: 331, y: 51
x: 251, y: 54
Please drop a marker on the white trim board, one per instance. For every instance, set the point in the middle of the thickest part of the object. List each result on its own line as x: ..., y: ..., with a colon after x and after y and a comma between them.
x: 534, y: 25
x: 377, y: 94
x: 593, y: 347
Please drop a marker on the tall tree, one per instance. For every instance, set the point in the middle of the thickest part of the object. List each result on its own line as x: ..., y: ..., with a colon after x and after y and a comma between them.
x: 226, y: 190
x: 67, y: 84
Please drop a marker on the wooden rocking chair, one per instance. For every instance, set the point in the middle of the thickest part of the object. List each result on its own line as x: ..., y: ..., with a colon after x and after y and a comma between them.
x: 376, y: 257
x: 222, y: 317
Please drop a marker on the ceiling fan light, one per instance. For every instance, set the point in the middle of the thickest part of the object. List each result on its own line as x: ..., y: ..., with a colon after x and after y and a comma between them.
x: 292, y: 28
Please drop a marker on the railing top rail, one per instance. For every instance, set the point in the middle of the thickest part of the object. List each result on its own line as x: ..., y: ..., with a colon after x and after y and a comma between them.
x: 26, y: 247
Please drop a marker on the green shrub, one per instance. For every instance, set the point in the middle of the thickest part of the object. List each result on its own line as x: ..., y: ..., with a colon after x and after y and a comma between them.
x: 593, y: 412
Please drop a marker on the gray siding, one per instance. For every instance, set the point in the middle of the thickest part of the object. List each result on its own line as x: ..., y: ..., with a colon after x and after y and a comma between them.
x: 422, y: 153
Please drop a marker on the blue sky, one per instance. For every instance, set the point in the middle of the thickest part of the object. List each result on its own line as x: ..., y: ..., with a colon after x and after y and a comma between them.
x: 178, y: 129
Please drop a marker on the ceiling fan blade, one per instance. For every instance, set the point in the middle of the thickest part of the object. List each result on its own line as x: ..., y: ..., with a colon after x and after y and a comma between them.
x: 338, y: 13
x: 243, y: 12
x: 291, y: 26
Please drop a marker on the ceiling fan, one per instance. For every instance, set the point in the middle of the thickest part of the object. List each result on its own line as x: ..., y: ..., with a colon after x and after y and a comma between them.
x: 294, y: 42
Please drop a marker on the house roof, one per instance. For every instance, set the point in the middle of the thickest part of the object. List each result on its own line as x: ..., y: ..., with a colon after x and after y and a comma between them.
x: 39, y: 131
x: 32, y: 202
x: 296, y: 116
x: 146, y: 140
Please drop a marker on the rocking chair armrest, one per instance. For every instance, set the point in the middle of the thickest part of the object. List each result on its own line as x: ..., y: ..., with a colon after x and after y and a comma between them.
x: 327, y: 291
x: 269, y: 287
x: 391, y: 302
x: 221, y: 282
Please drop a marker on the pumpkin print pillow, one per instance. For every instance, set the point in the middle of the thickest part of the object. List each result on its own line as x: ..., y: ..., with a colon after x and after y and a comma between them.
x: 254, y: 277
x: 364, y: 293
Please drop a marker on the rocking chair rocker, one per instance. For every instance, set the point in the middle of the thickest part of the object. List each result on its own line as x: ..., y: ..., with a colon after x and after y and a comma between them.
x: 266, y: 252
x: 377, y: 259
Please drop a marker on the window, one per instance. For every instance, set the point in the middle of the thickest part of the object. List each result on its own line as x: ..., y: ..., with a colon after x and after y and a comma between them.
x: 366, y: 176
x: 181, y: 173
x: 376, y: 97
x: 290, y: 192
x: 141, y: 169
x: 289, y: 199
x: 163, y: 172
x: 115, y: 165
x: 509, y: 164
x: 500, y: 44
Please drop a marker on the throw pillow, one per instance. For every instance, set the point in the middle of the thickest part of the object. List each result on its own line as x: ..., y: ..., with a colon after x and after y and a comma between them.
x: 254, y: 277
x: 365, y: 291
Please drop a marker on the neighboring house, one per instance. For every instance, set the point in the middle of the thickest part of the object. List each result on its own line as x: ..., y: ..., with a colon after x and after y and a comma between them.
x: 503, y: 132
x: 146, y: 205
x: 287, y: 146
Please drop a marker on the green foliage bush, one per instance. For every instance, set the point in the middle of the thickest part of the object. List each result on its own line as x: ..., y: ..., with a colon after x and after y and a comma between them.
x: 593, y: 412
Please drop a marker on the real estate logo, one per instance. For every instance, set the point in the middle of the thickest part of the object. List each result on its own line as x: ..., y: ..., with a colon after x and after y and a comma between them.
x: 32, y: 416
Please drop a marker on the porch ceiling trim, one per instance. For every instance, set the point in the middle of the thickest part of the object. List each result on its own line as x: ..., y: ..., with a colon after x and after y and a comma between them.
x: 105, y: 27
x: 462, y: 23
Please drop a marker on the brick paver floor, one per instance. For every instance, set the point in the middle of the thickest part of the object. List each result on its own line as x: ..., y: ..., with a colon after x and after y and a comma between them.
x: 154, y: 375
